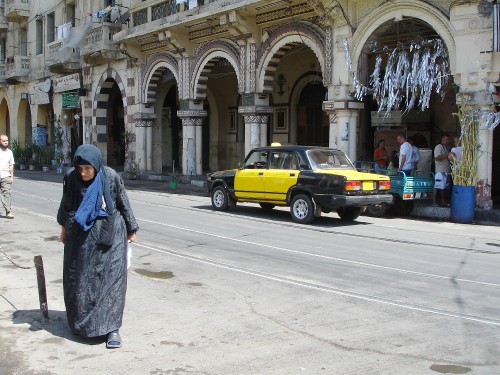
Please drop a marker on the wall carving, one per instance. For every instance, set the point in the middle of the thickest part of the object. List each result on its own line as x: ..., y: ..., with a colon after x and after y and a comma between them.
x: 154, y: 77
x: 328, y: 70
x: 209, y: 32
x: 224, y: 49
x: 284, y: 13
x: 251, y: 119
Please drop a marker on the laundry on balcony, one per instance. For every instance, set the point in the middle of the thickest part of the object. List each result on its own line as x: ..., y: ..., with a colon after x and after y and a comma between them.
x: 63, y: 30
x: 103, y: 13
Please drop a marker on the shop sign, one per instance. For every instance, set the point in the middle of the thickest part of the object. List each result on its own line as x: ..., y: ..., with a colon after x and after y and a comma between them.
x: 41, y: 93
x: 70, y: 100
x: 67, y: 83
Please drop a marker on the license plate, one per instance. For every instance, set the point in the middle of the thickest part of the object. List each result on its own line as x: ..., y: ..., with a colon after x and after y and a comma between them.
x: 368, y: 185
x: 418, y: 195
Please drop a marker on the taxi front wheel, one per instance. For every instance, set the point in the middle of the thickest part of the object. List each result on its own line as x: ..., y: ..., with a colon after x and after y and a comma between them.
x: 220, y: 199
x: 302, y: 209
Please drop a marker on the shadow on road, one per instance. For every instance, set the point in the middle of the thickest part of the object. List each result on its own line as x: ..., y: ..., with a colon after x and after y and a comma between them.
x: 56, y: 324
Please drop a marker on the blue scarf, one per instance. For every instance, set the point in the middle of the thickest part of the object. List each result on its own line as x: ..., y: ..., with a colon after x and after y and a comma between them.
x: 91, y: 206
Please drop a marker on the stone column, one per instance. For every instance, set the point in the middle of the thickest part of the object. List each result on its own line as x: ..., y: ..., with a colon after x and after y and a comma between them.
x: 255, y: 126
x: 255, y: 110
x: 191, y: 115
x: 344, y: 118
x: 144, y: 143
x: 484, y: 170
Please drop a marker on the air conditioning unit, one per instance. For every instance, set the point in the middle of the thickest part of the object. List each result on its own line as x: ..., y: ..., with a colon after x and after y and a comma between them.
x: 398, y: 118
x: 393, y: 118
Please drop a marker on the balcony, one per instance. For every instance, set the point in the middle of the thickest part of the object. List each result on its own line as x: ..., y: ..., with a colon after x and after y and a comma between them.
x: 4, y: 24
x: 61, y: 58
x: 163, y: 9
x: 17, y: 10
x: 17, y: 69
x: 3, y: 82
x: 99, y: 47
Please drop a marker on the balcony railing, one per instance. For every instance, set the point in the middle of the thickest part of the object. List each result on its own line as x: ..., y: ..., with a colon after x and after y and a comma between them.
x: 17, y: 68
x: 61, y: 58
x: 99, y: 46
x: 4, y: 25
x: 16, y: 9
x: 164, y: 9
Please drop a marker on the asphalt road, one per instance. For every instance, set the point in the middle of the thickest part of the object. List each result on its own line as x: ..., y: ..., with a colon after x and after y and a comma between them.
x: 249, y: 292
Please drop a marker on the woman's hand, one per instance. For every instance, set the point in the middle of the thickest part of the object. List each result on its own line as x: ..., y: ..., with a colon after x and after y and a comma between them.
x: 131, y: 237
x: 63, y: 234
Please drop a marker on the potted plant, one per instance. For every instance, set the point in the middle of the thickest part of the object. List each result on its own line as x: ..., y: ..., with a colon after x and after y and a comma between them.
x: 463, y: 194
x: 17, y: 151
x: 45, y: 157
x: 174, y: 177
x: 31, y: 158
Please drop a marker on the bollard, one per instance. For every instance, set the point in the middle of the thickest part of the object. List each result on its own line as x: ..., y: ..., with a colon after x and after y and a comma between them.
x: 42, y: 291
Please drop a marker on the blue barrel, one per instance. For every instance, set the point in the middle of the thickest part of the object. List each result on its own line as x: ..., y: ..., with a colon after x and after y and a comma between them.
x: 463, y: 203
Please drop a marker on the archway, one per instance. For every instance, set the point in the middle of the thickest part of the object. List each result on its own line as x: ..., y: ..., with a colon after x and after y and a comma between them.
x: 109, y: 119
x: 171, y: 131
x: 4, y: 118
x: 410, y: 39
x: 44, y: 118
x: 24, y: 126
x: 312, y: 121
x: 115, y: 126
x: 222, y: 133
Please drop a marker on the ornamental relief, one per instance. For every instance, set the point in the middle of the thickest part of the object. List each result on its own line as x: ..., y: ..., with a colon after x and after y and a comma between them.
x: 252, y: 67
x: 192, y: 121
x: 314, y: 33
x: 143, y: 123
x: 164, y: 45
x: 284, y: 13
x: 327, y: 74
x: 256, y: 119
x: 209, y: 32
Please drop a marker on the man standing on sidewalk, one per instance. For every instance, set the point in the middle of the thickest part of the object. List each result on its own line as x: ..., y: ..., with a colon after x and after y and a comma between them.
x: 405, y: 155
x: 443, y: 169
x: 6, y: 174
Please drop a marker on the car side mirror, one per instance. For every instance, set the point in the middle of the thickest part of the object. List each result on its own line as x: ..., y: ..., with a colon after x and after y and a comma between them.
x: 304, y: 167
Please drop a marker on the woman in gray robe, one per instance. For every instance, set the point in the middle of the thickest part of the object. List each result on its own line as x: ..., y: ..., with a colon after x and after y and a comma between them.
x: 96, y: 221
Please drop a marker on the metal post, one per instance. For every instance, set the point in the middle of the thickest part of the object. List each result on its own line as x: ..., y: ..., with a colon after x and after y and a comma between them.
x: 42, y: 291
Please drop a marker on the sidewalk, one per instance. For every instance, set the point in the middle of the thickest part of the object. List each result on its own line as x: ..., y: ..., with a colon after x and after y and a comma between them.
x: 196, y: 185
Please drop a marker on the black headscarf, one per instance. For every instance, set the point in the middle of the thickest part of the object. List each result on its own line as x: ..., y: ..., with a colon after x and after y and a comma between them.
x: 91, y: 205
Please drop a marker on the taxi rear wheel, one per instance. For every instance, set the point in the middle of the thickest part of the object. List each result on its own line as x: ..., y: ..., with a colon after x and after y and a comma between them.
x: 377, y: 210
x: 302, y: 209
x: 220, y: 199
x: 349, y: 213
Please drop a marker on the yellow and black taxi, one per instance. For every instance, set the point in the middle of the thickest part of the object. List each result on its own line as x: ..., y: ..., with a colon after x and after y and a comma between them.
x: 309, y: 180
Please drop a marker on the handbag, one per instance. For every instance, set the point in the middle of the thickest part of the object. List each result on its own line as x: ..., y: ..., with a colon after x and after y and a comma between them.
x: 106, y: 231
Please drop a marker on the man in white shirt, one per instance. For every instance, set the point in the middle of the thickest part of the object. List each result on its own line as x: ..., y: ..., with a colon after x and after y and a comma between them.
x: 443, y: 169
x: 405, y: 155
x: 416, y: 153
x: 6, y: 174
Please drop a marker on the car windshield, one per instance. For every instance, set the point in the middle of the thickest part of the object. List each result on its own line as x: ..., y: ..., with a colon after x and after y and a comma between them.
x: 328, y: 159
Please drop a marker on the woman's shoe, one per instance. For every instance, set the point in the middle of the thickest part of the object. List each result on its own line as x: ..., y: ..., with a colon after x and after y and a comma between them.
x: 114, y: 340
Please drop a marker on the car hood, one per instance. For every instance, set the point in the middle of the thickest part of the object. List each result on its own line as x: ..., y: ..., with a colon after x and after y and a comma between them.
x: 218, y: 174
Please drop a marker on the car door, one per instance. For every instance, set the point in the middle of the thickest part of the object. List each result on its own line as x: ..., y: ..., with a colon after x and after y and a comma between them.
x: 249, y: 180
x: 282, y: 174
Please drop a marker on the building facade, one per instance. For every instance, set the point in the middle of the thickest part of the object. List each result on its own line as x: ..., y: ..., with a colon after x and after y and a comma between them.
x: 194, y: 85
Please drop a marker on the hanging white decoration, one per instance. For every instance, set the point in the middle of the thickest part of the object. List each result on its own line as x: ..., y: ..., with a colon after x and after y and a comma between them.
x: 412, y: 74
